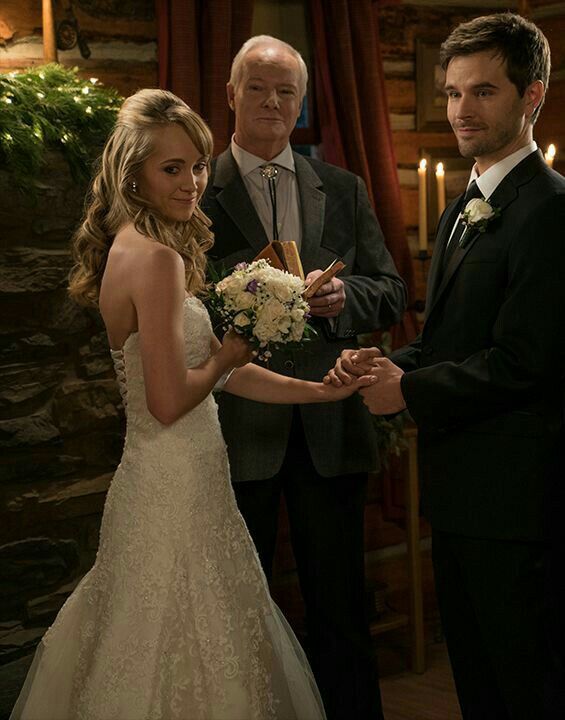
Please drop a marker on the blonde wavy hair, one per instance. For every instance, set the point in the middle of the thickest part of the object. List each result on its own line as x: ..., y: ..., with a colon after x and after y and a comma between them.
x: 112, y: 202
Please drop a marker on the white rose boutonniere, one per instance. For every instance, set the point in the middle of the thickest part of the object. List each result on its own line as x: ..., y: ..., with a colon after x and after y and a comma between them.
x: 476, y: 216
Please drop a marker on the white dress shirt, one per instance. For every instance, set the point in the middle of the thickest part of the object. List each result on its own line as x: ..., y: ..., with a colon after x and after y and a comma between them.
x: 288, y: 201
x: 491, y: 178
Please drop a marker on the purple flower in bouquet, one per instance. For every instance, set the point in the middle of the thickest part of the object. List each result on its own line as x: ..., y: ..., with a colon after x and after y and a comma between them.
x: 241, y: 266
x: 252, y: 286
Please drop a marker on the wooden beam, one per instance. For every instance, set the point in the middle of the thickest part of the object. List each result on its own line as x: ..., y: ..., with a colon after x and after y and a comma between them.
x: 49, y: 40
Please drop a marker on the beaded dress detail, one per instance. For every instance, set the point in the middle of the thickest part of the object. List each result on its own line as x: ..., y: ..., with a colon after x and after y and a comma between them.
x: 174, y: 621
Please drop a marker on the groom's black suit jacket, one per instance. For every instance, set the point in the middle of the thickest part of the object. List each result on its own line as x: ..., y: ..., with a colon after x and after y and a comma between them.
x: 485, y: 379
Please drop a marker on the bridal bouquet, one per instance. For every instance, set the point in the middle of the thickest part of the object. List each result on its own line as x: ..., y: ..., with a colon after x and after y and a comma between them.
x: 264, y: 304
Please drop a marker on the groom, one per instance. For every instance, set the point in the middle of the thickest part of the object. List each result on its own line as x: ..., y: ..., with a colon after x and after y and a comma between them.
x: 485, y: 381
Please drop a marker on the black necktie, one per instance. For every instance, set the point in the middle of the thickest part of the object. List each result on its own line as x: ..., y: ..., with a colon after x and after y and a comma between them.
x: 270, y: 172
x: 473, y: 191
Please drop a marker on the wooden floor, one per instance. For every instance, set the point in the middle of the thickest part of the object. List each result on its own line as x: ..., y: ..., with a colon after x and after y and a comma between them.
x: 430, y: 696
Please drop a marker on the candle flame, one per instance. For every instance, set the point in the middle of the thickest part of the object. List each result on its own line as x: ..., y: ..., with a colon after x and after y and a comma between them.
x: 439, y: 169
x: 551, y: 151
x: 423, y: 164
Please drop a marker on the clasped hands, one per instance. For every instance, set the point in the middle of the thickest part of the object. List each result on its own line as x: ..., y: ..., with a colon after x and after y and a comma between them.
x: 384, y: 396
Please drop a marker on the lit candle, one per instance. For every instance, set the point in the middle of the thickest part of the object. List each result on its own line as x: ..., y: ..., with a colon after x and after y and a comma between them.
x: 422, y: 207
x: 440, y: 179
x: 550, y: 155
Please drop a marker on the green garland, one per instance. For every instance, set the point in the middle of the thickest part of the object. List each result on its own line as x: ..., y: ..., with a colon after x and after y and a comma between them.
x: 52, y: 107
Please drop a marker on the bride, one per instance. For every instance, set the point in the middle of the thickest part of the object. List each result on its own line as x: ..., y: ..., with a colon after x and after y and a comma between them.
x: 175, y: 620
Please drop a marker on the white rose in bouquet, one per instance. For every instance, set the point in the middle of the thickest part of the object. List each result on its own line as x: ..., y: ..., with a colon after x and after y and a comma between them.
x: 241, y: 320
x: 264, y: 304
x: 282, y: 291
x: 297, y: 330
x: 244, y: 300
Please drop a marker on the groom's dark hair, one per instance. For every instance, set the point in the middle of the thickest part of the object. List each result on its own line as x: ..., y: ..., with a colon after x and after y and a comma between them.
x: 516, y: 40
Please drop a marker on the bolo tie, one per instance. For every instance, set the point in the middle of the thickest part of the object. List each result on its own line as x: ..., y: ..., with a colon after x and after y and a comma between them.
x: 270, y: 172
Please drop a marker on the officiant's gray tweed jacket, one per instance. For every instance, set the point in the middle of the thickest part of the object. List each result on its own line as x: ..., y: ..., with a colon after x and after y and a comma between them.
x: 337, y: 222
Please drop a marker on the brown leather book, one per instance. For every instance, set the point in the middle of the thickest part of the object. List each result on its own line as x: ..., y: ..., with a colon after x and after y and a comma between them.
x: 330, y: 272
x: 283, y: 255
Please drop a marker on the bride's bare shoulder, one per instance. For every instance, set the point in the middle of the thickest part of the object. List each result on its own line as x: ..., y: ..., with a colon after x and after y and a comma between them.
x: 138, y: 266
x: 142, y: 253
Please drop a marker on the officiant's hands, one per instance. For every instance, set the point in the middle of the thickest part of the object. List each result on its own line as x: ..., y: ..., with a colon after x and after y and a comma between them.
x: 329, y: 300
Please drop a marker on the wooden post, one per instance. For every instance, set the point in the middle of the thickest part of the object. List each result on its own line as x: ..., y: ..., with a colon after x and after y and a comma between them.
x: 49, y: 40
x: 414, y: 559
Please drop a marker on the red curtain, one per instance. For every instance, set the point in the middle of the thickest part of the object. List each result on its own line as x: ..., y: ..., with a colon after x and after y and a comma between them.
x: 354, y: 122
x: 197, y: 42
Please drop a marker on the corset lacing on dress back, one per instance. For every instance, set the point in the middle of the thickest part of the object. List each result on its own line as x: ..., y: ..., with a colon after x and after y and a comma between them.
x: 120, y: 369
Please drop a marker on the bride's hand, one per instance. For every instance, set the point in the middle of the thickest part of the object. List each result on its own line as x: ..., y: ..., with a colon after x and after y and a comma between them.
x: 342, y: 391
x: 236, y: 350
x: 351, y: 364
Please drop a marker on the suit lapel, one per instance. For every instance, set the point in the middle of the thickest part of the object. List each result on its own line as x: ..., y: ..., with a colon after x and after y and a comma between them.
x: 454, y: 262
x: 312, y: 209
x: 444, y: 231
x: 232, y: 195
x: 501, y: 198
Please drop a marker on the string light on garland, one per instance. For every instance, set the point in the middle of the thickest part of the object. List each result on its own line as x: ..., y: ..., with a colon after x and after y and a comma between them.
x: 52, y: 107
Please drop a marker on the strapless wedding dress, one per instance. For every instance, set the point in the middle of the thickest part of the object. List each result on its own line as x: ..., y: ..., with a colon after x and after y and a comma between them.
x: 175, y: 620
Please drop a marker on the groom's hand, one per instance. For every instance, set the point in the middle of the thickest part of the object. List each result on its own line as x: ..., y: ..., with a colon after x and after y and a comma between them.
x: 385, y: 396
x: 351, y: 364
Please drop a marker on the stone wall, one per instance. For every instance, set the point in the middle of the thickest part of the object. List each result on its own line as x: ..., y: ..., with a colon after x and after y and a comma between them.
x: 61, y: 421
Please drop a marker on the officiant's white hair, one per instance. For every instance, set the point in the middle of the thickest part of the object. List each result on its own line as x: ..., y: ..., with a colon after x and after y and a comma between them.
x: 266, y: 41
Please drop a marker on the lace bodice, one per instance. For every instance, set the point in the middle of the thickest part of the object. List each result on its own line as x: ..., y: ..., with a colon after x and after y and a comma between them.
x: 129, y: 371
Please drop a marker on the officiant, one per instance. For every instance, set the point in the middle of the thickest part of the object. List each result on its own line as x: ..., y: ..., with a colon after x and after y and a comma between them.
x: 318, y: 457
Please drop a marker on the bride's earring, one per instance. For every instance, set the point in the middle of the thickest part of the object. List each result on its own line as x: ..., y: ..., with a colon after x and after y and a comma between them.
x: 134, y: 186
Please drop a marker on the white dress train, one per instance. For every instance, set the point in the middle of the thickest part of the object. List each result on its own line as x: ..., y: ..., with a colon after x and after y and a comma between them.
x: 175, y: 620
